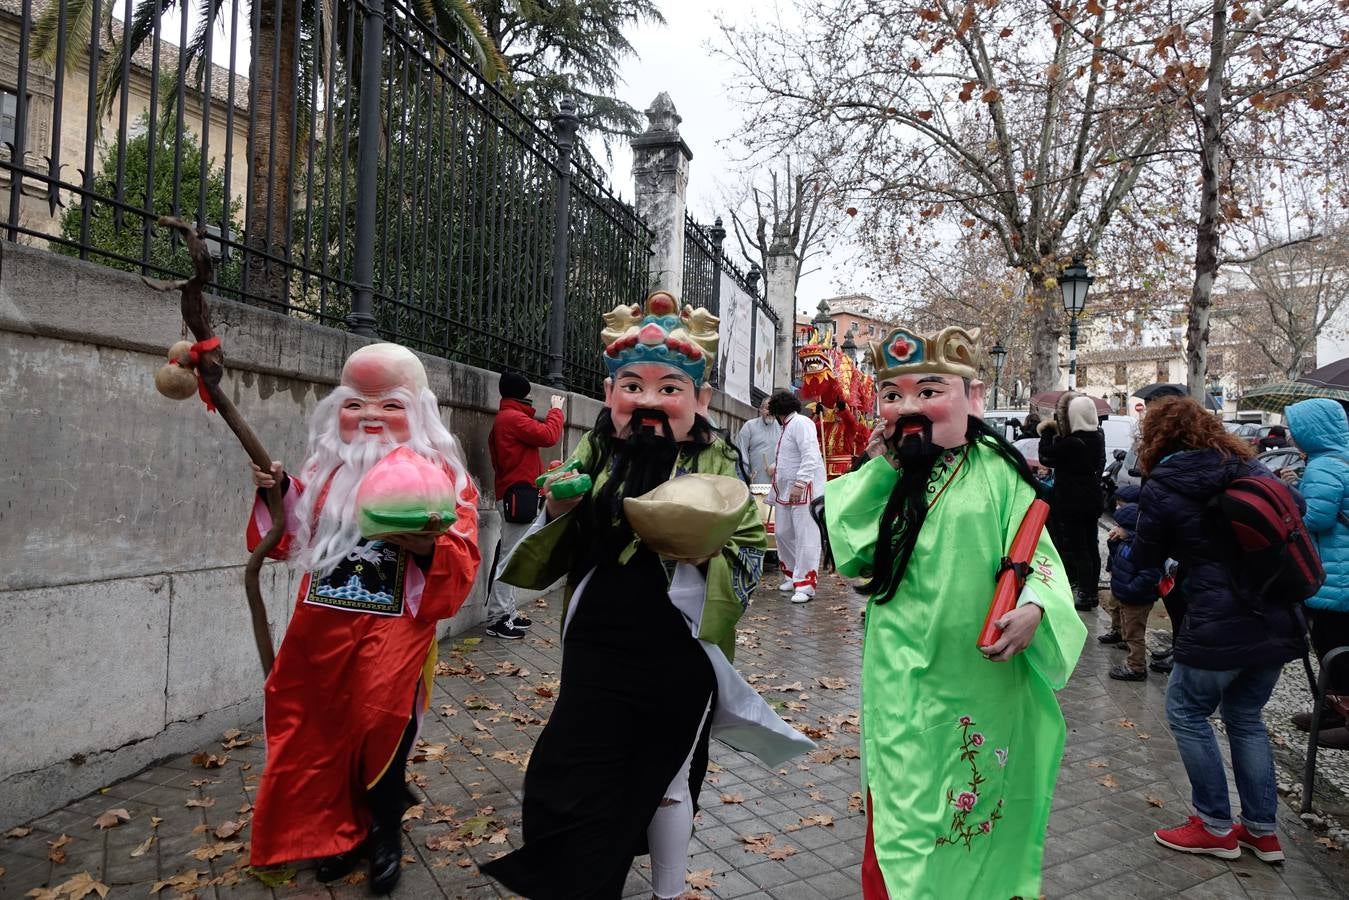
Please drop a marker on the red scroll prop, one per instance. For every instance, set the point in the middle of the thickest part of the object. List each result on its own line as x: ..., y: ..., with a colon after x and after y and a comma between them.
x: 1015, y: 569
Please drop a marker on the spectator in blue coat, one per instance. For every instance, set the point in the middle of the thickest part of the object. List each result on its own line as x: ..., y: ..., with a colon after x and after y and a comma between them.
x: 1322, y: 432
x: 1133, y: 591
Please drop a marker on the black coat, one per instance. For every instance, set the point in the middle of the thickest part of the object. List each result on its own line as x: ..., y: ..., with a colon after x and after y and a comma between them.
x: 1225, y: 627
x: 1078, y: 461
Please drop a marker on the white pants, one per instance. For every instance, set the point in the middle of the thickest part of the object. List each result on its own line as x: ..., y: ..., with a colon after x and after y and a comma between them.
x: 671, y: 829
x: 501, y: 598
x: 798, y: 540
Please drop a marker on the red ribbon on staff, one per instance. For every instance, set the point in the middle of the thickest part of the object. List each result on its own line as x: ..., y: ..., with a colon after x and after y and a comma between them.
x: 1014, y: 571
x: 194, y: 354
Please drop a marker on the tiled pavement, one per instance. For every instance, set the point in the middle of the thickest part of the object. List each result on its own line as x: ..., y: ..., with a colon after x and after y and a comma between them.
x: 1121, y: 778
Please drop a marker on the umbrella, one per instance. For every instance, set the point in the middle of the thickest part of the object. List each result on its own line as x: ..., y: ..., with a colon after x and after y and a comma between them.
x: 1167, y: 389
x: 1153, y: 391
x: 1335, y: 375
x: 1274, y: 397
x: 1029, y: 448
x: 1048, y: 401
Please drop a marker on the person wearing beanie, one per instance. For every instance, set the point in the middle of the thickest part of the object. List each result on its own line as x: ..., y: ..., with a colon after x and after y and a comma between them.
x: 514, y: 443
x: 1073, y: 445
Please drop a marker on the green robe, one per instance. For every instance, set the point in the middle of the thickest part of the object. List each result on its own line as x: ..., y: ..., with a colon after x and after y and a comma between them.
x: 544, y: 556
x: 959, y: 754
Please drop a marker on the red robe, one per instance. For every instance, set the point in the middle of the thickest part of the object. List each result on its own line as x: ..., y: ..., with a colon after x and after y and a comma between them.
x: 342, y: 690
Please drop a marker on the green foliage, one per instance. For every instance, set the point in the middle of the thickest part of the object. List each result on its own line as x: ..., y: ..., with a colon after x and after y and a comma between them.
x: 569, y: 48
x: 123, y: 235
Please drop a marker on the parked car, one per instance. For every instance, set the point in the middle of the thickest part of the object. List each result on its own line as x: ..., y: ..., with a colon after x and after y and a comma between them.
x: 1121, y: 433
x: 1249, y: 431
x: 997, y: 419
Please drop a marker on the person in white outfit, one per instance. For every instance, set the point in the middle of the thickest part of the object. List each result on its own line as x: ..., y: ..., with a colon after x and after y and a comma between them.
x: 798, y: 478
x: 758, y: 444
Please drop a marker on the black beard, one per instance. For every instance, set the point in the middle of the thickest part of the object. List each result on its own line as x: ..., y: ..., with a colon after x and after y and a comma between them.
x: 912, y: 439
x: 646, y: 457
x: 906, y: 509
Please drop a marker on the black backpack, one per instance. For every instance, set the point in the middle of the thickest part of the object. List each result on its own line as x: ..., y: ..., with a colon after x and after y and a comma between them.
x: 1276, y: 555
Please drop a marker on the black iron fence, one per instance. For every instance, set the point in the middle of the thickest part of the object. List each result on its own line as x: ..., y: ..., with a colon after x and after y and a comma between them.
x: 351, y: 166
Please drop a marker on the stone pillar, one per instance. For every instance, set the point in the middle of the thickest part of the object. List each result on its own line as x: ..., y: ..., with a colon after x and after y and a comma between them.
x: 780, y: 283
x: 660, y: 172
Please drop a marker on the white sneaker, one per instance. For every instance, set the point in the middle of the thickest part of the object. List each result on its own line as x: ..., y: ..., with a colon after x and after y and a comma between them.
x: 787, y: 586
x: 800, y: 597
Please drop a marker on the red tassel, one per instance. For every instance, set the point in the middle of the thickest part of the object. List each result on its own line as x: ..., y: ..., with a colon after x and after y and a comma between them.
x: 194, y: 354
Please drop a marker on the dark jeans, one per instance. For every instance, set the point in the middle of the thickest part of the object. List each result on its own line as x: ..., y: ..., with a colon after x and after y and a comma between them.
x: 1076, y: 538
x: 1192, y: 695
x: 1331, y: 630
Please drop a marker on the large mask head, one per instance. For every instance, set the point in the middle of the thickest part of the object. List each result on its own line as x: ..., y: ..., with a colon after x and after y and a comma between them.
x: 927, y: 388
x: 658, y: 358
x: 384, y: 381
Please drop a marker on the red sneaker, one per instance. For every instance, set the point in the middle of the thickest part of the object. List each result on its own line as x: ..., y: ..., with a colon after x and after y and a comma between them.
x: 1265, y: 848
x: 1193, y: 837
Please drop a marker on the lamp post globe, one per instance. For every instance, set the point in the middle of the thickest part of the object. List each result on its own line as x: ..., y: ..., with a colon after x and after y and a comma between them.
x: 1074, y: 282
x: 999, y: 354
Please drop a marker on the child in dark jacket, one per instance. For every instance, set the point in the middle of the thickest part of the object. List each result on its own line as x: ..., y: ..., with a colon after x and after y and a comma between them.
x: 1134, y: 590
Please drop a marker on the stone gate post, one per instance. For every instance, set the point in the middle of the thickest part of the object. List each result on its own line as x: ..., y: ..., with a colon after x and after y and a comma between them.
x: 660, y: 172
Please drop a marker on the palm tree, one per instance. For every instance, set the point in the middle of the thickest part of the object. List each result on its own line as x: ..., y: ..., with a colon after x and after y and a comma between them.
x: 279, y: 41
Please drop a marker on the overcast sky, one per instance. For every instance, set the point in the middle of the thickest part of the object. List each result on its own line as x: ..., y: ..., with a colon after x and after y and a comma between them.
x: 677, y: 58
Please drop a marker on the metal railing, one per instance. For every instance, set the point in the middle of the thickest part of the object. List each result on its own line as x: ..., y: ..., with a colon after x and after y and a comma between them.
x: 366, y: 175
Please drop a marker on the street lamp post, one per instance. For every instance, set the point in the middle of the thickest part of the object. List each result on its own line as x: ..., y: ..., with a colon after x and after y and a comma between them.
x: 1074, y: 282
x: 999, y: 354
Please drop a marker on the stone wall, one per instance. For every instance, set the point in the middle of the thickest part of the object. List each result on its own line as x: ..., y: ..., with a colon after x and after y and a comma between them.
x: 125, y: 629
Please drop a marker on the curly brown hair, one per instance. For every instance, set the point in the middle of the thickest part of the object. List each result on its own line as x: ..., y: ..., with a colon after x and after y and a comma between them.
x: 1173, y: 424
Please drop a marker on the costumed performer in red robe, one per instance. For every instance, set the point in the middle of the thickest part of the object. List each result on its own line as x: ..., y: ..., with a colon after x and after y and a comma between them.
x: 345, y: 697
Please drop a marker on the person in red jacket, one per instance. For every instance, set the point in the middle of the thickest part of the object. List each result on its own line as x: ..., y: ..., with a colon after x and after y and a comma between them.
x: 514, y: 443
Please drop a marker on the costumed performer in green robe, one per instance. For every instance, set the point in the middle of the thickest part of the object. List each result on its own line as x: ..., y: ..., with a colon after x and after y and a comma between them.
x: 960, y: 744
x: 647, y: 639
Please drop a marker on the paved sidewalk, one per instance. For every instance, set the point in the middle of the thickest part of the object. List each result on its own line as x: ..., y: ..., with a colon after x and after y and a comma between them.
x: 791, y: 833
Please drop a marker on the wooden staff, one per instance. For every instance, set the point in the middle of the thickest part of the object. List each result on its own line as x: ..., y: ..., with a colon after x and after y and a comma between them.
x: 209, y: 363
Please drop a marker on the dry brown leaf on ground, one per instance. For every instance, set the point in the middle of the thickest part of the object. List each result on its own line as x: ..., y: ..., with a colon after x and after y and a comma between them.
x: 1126, y: 723
x: 1154, y: 800
x: 855, y: 802
x: 464, y: 862
x: 236, y: 738
x: 209, y: 760
x: 354, y: 878
x: 448, y: 710
x: 824, y: 755
x: 756, y: 843
x: 780, y: 853
x: 143, y: 847
x: 229, y: 829
x: 112, y: 818
x: 1328, y: 843
x: 182, y: 882
x: 445, y: 841
x: 200, y: 803
x: 480, y: 726
x: 817, y: 796
x: 700, y: 880
x: 18, y: 831
x: 498, y: 838
x: 832, y: 682
x: 732, y: 798
x: 1109, y: 781
x: 55, y: 851
x: 215, y: 851
x: 821, y: 820
x: 789, y: 688
x: 1143, y: 736
x: 414, y: 812
x: 81, y: 885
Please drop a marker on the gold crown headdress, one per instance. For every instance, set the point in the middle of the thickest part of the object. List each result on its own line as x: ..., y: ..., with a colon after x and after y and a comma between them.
x: 905, y: 352
x: 658, y: 331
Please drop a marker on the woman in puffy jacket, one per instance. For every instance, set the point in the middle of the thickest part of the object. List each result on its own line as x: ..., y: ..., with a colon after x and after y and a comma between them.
x: 1322, y: 432
x: 1073, y: 445
x: 1230, y: 647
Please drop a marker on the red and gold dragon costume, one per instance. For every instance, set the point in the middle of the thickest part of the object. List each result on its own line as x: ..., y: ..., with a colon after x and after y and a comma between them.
x: 846, y: 398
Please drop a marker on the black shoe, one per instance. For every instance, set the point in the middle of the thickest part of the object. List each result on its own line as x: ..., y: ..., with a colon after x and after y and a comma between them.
x: 1163, y: 654
x: 1122, y: 672
x: 1083, y: 603
x: 1110, y: 637
x: 1303, y: 720
x: 521, y: 622
x: 1161, y: 665
x: 331, y: 868
x: 502, y: 628
x: 386, y: 858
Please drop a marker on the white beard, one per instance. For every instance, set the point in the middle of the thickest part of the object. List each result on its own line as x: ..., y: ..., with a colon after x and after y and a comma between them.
x: 337, y: 532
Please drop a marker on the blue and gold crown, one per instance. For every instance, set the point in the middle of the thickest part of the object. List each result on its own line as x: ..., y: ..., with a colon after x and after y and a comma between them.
x: 658, y: 331
x: 905, y: 352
